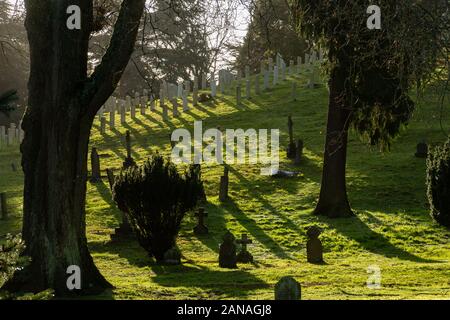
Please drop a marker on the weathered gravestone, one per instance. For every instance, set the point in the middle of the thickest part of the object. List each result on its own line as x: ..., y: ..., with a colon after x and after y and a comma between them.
x: 287, y: 289
x: 238, y: 95
x: 298, y: 152
x: 185, y: 101
x: 422, y: 150
x: 172, y: 257
x: 314, y: 248
x: 291, y: 146
x: 129, y: 161
x: 3, y: 206
x: 102, y: 125
x: 201, y: 228
x: 224, y: 182
x: 95, y: 167
x: 175, y: 108
x: 227, y: 252
x: 244, y: 256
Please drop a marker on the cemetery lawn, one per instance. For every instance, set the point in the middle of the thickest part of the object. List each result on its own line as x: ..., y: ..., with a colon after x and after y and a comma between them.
x: 391, y: 229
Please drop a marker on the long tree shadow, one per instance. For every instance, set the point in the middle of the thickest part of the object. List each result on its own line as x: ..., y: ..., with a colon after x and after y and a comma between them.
x: 231, y: 283
x: 370, y: 240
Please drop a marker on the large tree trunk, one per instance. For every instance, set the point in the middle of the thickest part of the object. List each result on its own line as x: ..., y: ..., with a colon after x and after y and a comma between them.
x: 333, y: 201
x: 63, y: 102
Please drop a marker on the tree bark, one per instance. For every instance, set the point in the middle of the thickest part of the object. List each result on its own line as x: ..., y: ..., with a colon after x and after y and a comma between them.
x: 333, y: 201
x: 62, y: 105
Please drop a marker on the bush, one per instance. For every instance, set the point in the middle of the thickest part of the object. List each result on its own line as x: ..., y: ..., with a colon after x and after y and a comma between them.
x: 156, y: 198
x: 438, y: 183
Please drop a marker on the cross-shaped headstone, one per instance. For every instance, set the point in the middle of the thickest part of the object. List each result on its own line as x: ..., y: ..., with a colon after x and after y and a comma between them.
x: 244, y: 256
x: 200, y: 228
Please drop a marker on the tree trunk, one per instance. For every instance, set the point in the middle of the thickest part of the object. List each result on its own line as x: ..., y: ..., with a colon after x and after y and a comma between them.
x: 333, y: 201
x: 62, y: 105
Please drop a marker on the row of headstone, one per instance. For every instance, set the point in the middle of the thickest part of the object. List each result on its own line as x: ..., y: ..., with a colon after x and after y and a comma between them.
x: 13, y: 135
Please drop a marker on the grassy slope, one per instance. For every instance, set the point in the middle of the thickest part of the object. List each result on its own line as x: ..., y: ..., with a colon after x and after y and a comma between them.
x: 392, y: 228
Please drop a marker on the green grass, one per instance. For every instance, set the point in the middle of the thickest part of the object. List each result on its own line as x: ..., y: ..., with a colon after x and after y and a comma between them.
x: 392, y: 228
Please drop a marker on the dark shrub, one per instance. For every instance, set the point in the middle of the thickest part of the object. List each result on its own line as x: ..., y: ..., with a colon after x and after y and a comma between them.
x: 156, y: 197
x: 438, y: 183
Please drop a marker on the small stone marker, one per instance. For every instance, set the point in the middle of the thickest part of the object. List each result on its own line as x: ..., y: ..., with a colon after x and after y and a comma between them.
x: 238, y: 95
x: 227, y: 252
x: 291, y: 147
x: 298, y: 152
x: 422, y: 150
x: 244, y: 256
x: 129, y: 162
x: 112, y: 120
x: 294, y: 91
x: 102, y: 125
x: 123, y: 113
x: 224, y: 181
x: 257, y: 84
x: 124, y: 231
x: 3, y: 206
x: 248, y: 89
x: 275, y: 76
x: 95, y: 167
x: 172, y: 257
x: 201, y: 228
x: 185, y: 101
x: 314, y: 248
x: 287, y: 289
x: 176, y: 114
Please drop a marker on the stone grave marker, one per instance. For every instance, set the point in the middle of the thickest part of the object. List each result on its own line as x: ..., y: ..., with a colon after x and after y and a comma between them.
x: 224, y: 182
x: 287, y: 289
x: 95, y: 167
x: 244, y: 256
x: 185, y: 101
x: 112, y: 120
x: 3, y: 206
x: 123, y: 113
x: 174, y: 102
x: 314, y: 248
x: 275, y: 76
x: 102, y: 125
x: 298, y: 152
x: 227, y: 252
x: 291, y: 146
x: 172, y: 257
x: 195, y: 92
x: 129, y: 161
x: 201, y: 228
x: 422, y: 150
x: 179, y: 89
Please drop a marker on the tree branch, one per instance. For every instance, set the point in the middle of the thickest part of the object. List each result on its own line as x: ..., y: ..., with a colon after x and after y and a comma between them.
x: 107, y: 74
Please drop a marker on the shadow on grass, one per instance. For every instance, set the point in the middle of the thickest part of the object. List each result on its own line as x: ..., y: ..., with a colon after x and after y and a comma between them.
x: 370, y: 240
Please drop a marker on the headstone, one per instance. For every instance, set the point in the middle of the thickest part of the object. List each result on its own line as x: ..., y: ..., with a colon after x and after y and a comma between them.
x: 172, y: 257
x: 422, y: 150
x: 313, y: 78
x: 294, y: 91
x: 314, y: 248
x: 201, y: 228
x: 298, y: 152
x: 270, y: 65
x: 128, y: 102
x: 185, y: 101
x: 287, y: 289
x: 224, y: 182
x: 238, y: 95
x: 124, y: 231
x: 257, y: 84
x: 95, y: 167
x: 137, y: 100
x: 291, y: 67
x: 195, y: 92
x: 123, y: 114
x: 112, y: 120
x: 244, y: 256
x: 275, y: 75
x: 204, y: 84
x: 187, y: 86
x: 129, y: 161
x: 102, y: 125
x: 291, y: 147
x: 152, y: 104
x: 133, y: 111
x: 227, y: 252
x: 266, y: 80
x: 174, y: 102
x: 180, y: 89
x: 3, y: 206
x: 213, y: 85
x: 248, y: 89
